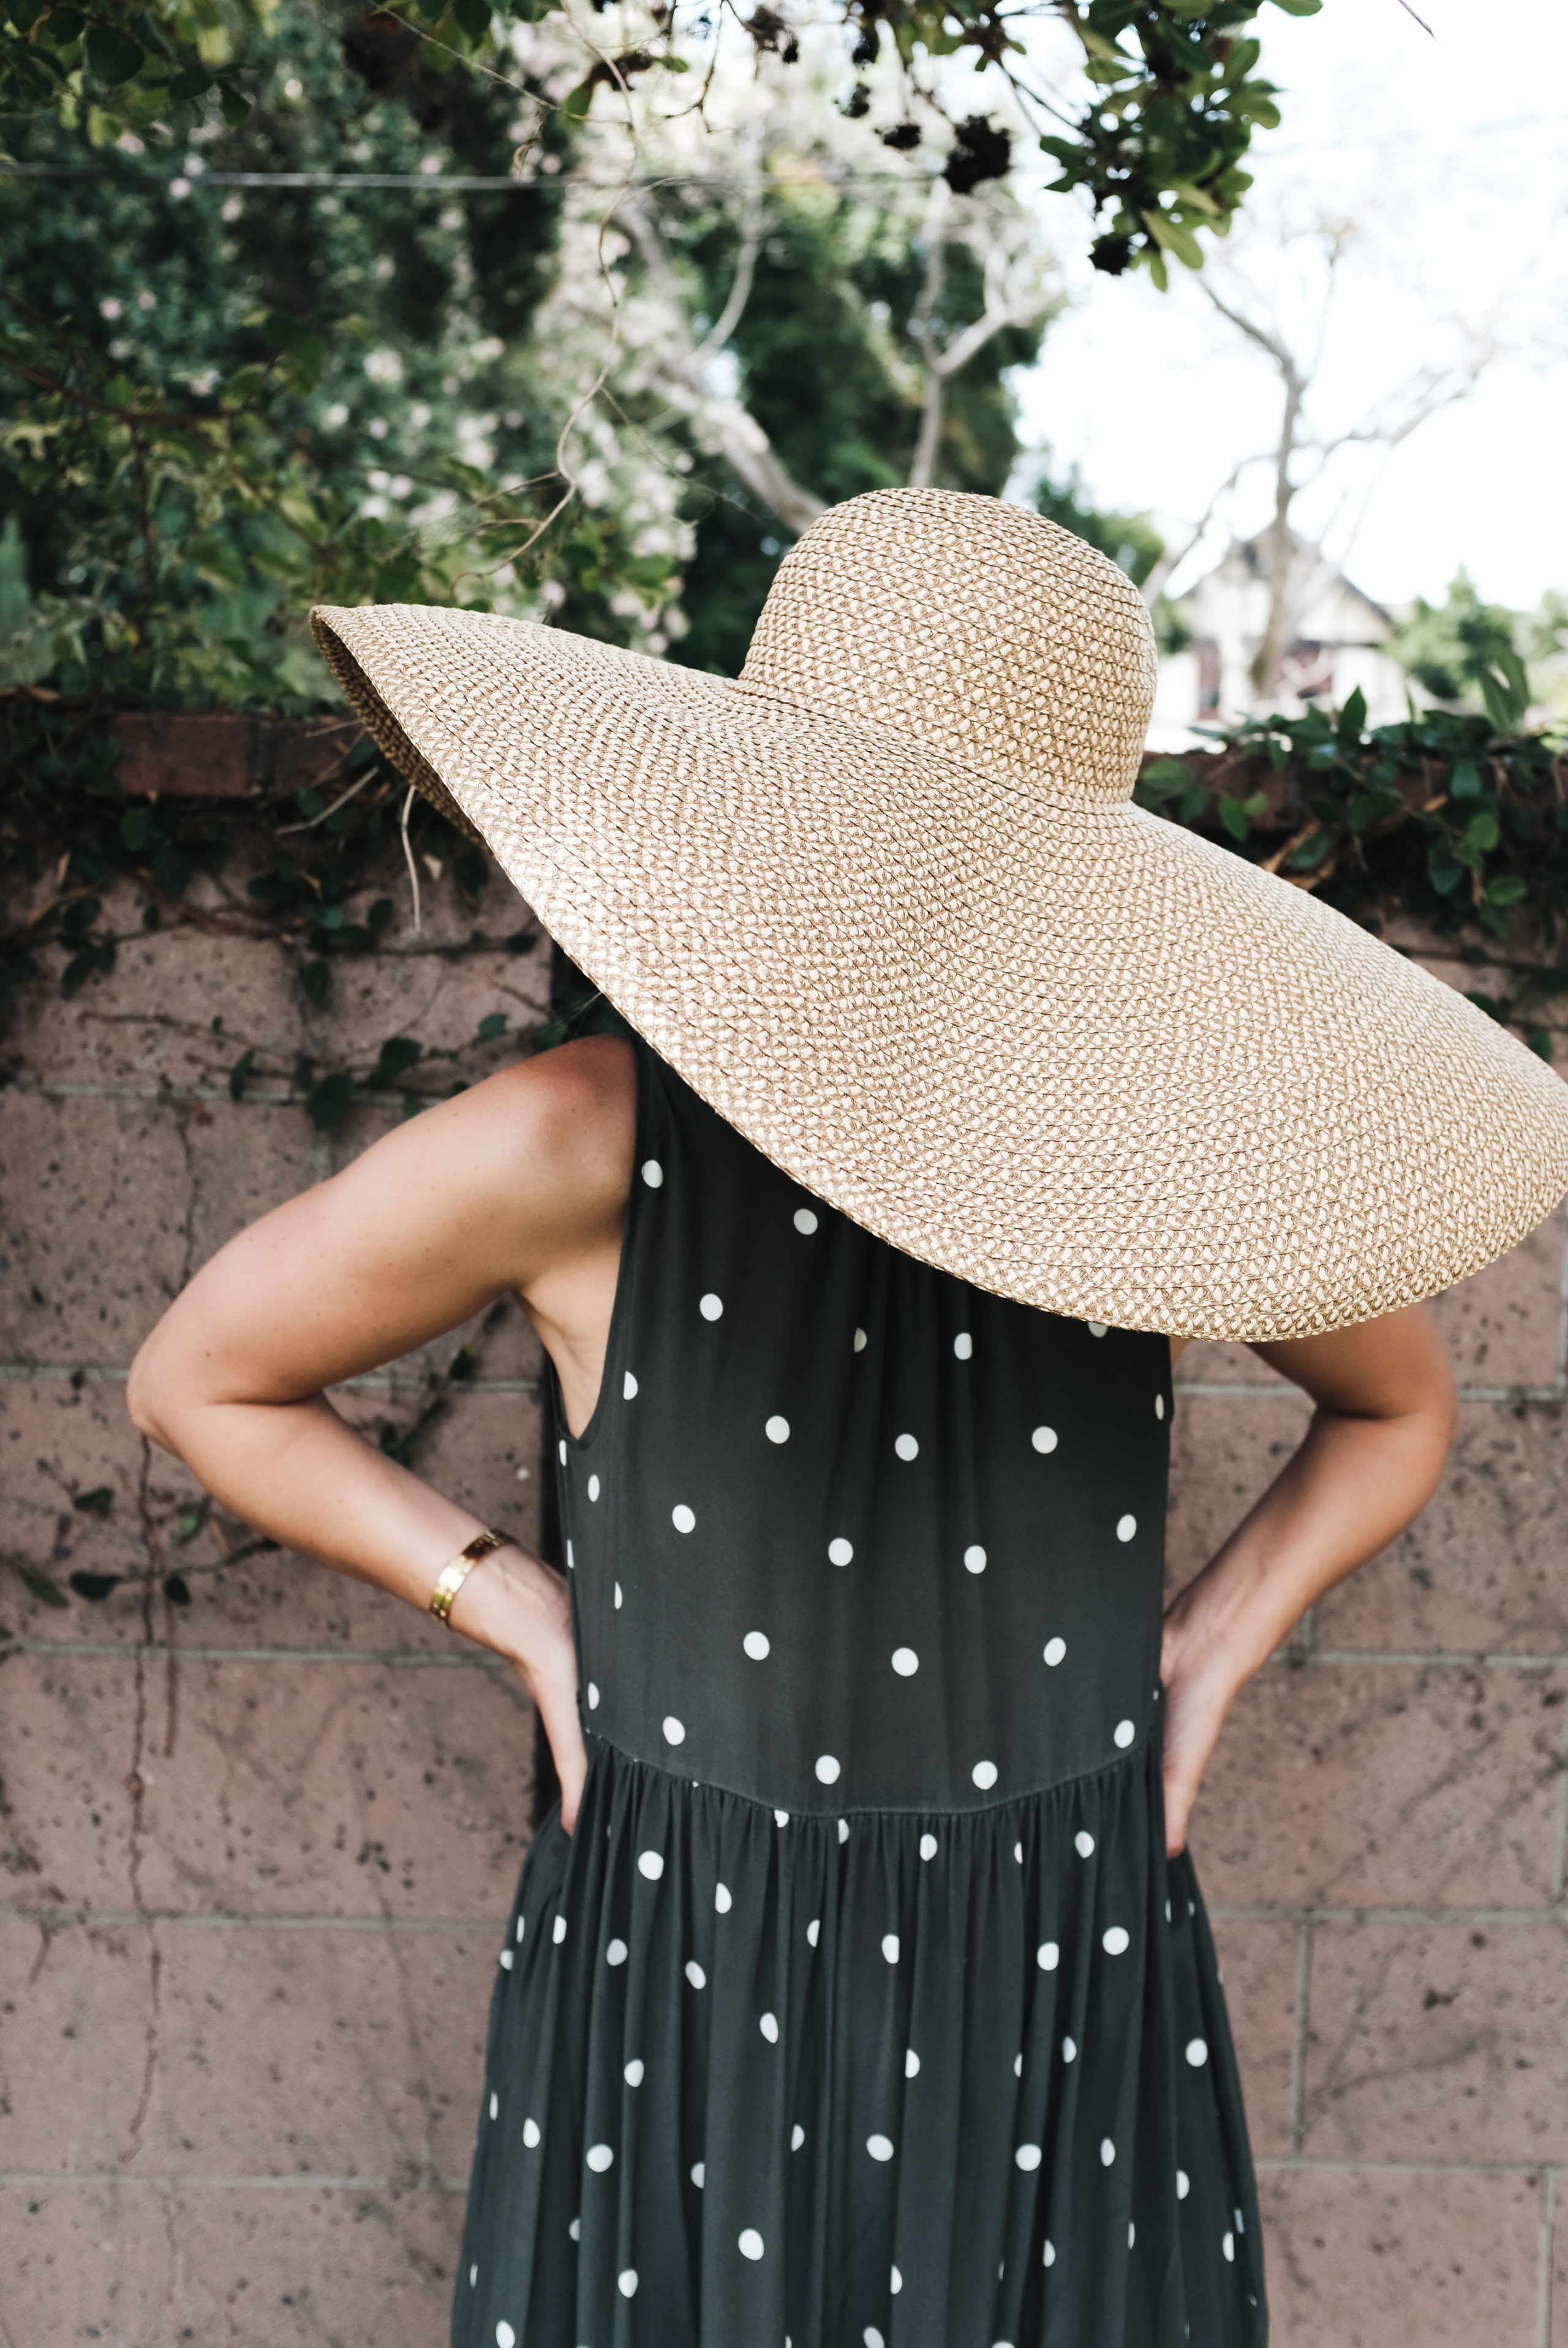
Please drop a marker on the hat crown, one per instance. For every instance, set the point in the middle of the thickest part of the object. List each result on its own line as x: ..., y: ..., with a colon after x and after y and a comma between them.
x: 975, y: 628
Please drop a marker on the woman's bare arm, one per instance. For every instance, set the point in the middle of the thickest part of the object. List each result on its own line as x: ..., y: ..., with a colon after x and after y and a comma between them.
x: 519, y: 1184
x: 1371, y: 1459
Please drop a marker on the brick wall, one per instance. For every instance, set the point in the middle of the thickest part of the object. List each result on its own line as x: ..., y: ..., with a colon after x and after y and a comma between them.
x: 257, y: 1847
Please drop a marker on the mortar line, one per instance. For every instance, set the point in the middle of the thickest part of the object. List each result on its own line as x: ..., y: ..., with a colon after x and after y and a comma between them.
x: 1372, y: 1913
x: 1296, y: 2104
x: 106, y: 1374
x: 98, y: 1650
x: 1563, y: 1302
x: 13, y: 1912
x: 1560, y: 1857
x: 1543, y: 2271
x: 1281, y: 2164
x: 32, y: 2177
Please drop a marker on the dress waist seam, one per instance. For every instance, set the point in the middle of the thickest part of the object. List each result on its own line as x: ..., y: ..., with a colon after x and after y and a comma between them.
x: 1121, y: 1765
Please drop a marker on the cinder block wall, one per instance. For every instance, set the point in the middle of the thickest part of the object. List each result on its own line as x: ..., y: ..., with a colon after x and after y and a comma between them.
x: 257, y: 1847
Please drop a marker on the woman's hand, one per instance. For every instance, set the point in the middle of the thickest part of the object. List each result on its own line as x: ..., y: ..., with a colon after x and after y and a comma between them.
x: 520, y: 1608
x: 1199, y: 1685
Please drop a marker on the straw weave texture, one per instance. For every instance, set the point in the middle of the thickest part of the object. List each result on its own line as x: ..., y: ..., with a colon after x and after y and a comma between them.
x: 892, y: 915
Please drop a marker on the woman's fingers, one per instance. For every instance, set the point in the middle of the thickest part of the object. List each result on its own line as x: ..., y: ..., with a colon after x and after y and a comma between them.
x: 556, y: 1694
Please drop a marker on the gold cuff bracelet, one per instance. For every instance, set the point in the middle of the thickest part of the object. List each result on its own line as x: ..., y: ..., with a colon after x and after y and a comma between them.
x: 452, y: 1578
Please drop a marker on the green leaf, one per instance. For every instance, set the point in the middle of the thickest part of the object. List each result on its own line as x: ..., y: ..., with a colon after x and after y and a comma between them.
x: 189, y: 1526
x: 397, y: 1054
x: 315, y: 981
x: 1353, y: 718
x: 1464, y: 782
x: 47, y: 1593
x: 474, y: 17
x: 239, y: 1075
x: 134, y: 827
x: 575, y: 104
x: 234, y: 105
x: 1314, y: 848
x: 96, y: 1503
x: 1482, y: 832
x: 1442, y: 871
x: 1508, y: 888
x: 1541, y: 1041
x: 1299, y: 7
x: 1233, y: 816
x: 94, y: 1587
x: 331, y: 1101
x: 113, y: 58
x: 491, y: 1027
x: 1164, y: 776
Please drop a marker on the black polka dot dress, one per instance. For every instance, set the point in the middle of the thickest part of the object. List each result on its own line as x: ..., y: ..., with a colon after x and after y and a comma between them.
x: 863, y: 2009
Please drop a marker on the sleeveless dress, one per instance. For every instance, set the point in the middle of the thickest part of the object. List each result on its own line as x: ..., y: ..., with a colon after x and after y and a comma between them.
x: 863, y: 2008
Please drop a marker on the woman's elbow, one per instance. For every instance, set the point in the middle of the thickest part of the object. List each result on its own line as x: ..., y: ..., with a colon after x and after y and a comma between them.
x: 148, y: 1397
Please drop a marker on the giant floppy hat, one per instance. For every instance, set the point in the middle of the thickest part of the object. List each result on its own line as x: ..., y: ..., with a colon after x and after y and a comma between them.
x: 886, y: 903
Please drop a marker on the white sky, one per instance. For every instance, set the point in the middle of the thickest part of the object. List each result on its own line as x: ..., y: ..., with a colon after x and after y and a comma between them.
x: 1450, y: 154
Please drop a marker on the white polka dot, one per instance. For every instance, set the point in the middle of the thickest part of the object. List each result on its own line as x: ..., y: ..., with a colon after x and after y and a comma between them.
x: 683, y: 1519
x: 494, y: 2106
x: 520, y: 1925
x: 1184, y: 2185
x: 1044, y: 1438
x: 905, y: 1662
x: 1168, y: 1911
x: 1017, y: 1854
x: 473, y: 2276
x: 1123, y: 1734
x: 797, y: 2137
x: 531, y: 2134
x: 505, y: 2337
x: 813, y: 1932
x: 964, y: 1346
x: 1096, y: 1328
x: 628, y: 1388
x: 781, y: 1817
x: 1228, y: 2246
x: 1055, y: 1650
x: 651, y: 1864
x: 827, y: 1769
x: 633, y: 2074
x: 626, y: 2282
x: 750, y: 2243
x: 755, y: 1645
x: 984, y: 1775
x: 860, y: 1341
x: 694, y: 1973
x: 1069, y: 2050
x: 558, y: 1930
x: 1049, y: 2255
x: 571, y: 1559
x: 1048, y: 1956
x: 1125, y: 1527
x: 1028, y: 2156
x: 506, y: 1960
x: 1159, y: 1405
x: 777, y: 1430
x: 699, y: 2174
x: 1106, y: 2152
x: 1116, y: 1940
x: 839, y: 1551
x: 911, y: 2063
x: 592, y: 1696
x: 722, y: 1901
x: 653, y: 1173
x: 907, y: 1447
x: 711, y: 1306
x: 1197, y: 2052
x: 575, y: 2229
x: 974, y: 1558
x: 1240, y: 2228
x: 843, y: 1829
x: 895, y: 2282
x: 928, y: 1846
x: 618, y: 1598
x: 1018, y: 2066
x: 805, y: 1222
x: 890, y: 1947
x: 769, y: 2026
x: 871, y: 2338
x: 674, y: 1730
x: 599, y: 2158
x: 593, y: 1488
x: 1132, y: 2233
x: 1083, y: 1842
x: 561, y: 1450
x: 880, y: 2147
x: 616, y: 1954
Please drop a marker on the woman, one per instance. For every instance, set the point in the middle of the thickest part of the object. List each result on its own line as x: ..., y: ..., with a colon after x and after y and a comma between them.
x: 861, y: 1991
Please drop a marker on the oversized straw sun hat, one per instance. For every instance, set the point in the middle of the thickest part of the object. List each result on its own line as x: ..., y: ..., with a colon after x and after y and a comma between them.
x: 885, y: 902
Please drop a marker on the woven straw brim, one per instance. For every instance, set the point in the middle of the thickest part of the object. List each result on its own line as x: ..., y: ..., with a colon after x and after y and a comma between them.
x: 1078, y: 1057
